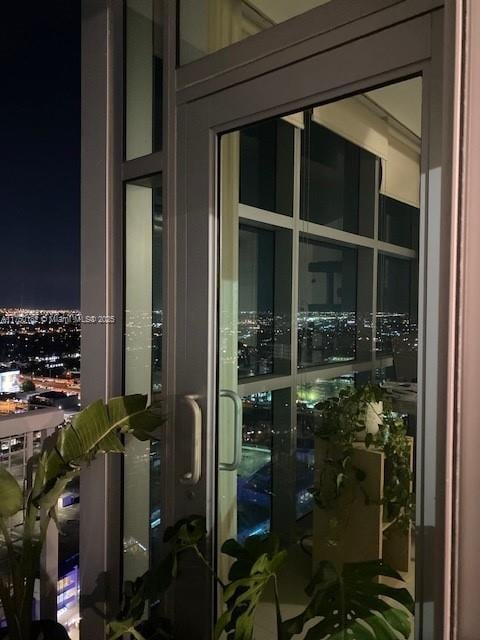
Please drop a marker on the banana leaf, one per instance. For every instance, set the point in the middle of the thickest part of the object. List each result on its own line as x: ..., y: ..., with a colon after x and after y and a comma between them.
x: 11, y: 496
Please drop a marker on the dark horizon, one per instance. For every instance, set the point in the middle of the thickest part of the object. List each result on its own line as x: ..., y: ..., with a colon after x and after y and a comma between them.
x: 40, y: 165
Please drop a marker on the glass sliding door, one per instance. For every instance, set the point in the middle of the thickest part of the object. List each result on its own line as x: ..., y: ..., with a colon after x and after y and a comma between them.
x: 319, y: 240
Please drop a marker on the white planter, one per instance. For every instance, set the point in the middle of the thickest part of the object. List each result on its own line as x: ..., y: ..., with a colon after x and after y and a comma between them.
x: 373, y: 420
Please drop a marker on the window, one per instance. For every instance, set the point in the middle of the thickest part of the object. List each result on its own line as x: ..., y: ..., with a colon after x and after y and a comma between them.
x: 327, y: 323
x: 397, y: 331
x: 143, y: 366
x: 267, y: 469
x: 143, y: 77
x: 398, y: 222
x: 266, y: 166
x: 309, y: 395
x: 325, y: 293
x: 339, y: 181
x: 255, y: 302
x: 264, y: 301
x: 254, y: 478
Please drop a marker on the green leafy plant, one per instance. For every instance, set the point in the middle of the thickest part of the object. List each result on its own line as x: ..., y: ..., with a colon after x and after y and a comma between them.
x: 96, y: 429
x: 139, y: 616
x: 352, y: 604
x: 256, y: 565
x: 399, y: 501
x: 340, y: 421
x: 28, y: 385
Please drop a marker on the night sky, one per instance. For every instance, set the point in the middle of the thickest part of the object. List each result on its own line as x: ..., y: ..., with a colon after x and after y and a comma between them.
x: 40, y: 154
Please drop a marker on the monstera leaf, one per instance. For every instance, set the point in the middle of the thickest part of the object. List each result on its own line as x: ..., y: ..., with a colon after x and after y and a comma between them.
x: 352, y: 605
x: 257, y: 562
x: 11, y: 497
x: 187, y: 533
x: 148, y: 588
x: 48, y: 629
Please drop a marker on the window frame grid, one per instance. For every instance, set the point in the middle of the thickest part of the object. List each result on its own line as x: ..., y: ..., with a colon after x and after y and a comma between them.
x: 300, y: 227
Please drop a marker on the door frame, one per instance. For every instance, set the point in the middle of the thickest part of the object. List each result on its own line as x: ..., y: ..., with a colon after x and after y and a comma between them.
x: 205, y: 111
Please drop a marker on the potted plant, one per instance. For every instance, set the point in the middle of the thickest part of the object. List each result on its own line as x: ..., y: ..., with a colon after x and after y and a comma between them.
x: 365, y: 415
x: 345, y: 604
x: 94, y: 431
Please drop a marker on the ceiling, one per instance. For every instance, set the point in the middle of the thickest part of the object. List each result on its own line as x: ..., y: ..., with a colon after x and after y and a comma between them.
x: 281, y: 10
x: 403, y: 101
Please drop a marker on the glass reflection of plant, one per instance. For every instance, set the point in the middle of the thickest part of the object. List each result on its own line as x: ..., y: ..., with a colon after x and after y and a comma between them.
x: 343, y: 420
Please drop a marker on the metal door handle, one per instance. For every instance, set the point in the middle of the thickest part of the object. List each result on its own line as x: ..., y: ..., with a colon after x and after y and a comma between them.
x: 193, y: 476
x: 237, y: 431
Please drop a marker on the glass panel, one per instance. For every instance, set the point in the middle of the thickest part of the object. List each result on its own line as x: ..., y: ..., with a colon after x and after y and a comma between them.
x: 209, y: 25
x: 264, y: 301
x: 255, y: 301
x: 157, y: 288
x: 398, y: 222
x: 254, y: 478
x: 68, y: 586
x: 322, y: 491
x: 327, y: 322
x: 397, y: 331
x: 266, y: 166
x: 308, y: 396
x: 265, y: 474
x: 339, y: 180
x: 143, y: 77
x: 143, y: 352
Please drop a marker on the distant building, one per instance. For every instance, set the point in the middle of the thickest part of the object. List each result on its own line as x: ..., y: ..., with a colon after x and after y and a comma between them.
x: 57, y: 399
x: 9, y: 380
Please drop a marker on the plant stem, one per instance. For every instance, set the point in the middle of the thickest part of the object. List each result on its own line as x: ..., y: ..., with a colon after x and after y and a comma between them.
x: 9, y: 544
x: 10, y: 611
x: 277, y: 609
x: 12, y: 591
x: 343, y: 616
x: 207, y: 564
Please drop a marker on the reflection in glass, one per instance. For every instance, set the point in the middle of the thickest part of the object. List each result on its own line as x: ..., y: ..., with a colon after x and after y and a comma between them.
x: 308, y: 397
x: 397, y: 330
x: 157, y: 288
x: 266, y: 166
x: 327, y: 323
x: 68, y: 585
x: 255, y: 301
x: 143, y: 366
x: 254, y: 477
x: 143, y: 284
x: 264, y: 301
x: 355, y: 300
x: 398, y: 222
x: 143, y: 77
x: 209, y: 25
x: 268, y: 471
x: 339, y: 188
